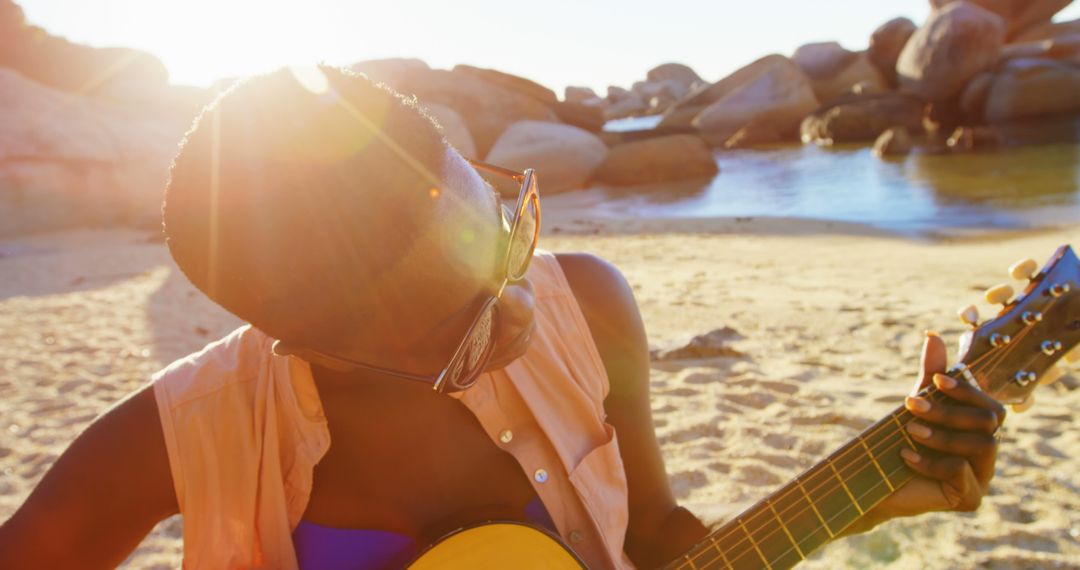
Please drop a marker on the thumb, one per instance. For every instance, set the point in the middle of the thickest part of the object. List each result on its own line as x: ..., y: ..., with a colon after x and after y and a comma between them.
x: 933, y: 361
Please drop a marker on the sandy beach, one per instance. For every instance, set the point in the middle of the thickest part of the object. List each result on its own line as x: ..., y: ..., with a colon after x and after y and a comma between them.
x: 827, y: 323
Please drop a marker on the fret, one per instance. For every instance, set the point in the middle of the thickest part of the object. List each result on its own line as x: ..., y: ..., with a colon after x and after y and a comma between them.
x: 824, y: 524
x: 754, y: 543
x: 787, y: 531
x: 903, y: 432
x: 716, y: 545
x: 877, y: 465
x: 844, y: 485
x: 797, y: 514
x: 887, y: 443
x: 690, y: 561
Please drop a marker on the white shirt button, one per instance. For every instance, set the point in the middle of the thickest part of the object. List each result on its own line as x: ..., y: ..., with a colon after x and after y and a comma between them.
x: 540, y: 475
x: 506, y: 436
x: 576, y: 536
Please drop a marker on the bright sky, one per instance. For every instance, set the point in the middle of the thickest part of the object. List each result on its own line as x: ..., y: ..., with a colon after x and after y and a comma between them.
x: 556, y: 42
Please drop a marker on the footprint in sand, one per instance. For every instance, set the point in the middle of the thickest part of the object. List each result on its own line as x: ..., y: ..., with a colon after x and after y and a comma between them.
x: 683, y: 482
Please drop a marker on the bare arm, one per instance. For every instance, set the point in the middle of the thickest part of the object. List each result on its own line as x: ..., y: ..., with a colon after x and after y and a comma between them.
x: 659, y: 530
x: 100, y: 498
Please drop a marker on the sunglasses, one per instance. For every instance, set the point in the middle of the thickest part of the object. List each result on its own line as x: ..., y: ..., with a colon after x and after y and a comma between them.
x: 476, y: 347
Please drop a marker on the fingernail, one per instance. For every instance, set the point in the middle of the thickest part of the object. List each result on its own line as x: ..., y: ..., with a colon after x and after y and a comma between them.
x: 929, y: 332
x: 944, y: 382
x: 918, y: 430
x: 917, y: 404
x: 910, y: 455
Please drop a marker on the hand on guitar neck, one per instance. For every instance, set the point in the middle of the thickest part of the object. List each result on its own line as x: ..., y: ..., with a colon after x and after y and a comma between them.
x: 958, y: 433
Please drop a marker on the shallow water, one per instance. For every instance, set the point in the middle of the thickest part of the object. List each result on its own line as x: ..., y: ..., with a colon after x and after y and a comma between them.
x: 1009, y: 188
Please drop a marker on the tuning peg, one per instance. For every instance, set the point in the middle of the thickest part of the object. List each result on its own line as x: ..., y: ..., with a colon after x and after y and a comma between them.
x: 969, y: 315
x: 1000, y: 294
x: 1023, y: 269
x: 1073, y: 355
x: 1052, y: 374
x: 1025, y: 405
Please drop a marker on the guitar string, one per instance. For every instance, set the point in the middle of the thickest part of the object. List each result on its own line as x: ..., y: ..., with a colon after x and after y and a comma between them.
x: 706, y: 548
x: 860, y: 468
x: 844, y: 471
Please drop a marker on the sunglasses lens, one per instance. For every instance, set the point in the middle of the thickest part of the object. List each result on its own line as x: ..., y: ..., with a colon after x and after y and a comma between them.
x: 475, y: 352
x: 524, y: 241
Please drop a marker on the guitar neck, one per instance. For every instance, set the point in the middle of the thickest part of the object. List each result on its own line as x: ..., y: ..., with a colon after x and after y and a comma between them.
x: 781, y: 530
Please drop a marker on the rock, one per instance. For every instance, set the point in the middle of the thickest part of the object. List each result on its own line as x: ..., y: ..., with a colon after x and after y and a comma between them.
x: 579, y: 94
x: 390, y: 71
x: 583, y: 115
x: 564, y: 156
x: 1019, y: 15
x: 1028, y: 88
x: 69, y: 160
x: 886, y: 43
x: 668, y: 88
x: 862, y: 119
x: 780, y: 95
x: 662, y: 159
x: 454, y: 129
x: 674, y: 71
x: 893, y: 142
x: 1060, y: 47
x: 713, y: 344
x: 682, y: 113
x: 967, y: 139
x: 629, y: 105
x: 955, y: 44
x: 973, y: 98
x: 1049, y: 30
x: 512, y: 82
x: 616, y: 93
x: 488, y: 109
x: 756, y: 134
x: 676, y: 117
x: 833, y: 70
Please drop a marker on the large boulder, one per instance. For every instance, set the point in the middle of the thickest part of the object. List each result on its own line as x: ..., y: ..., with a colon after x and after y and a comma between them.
x: 682, y: 113
x: 833, y: 70
x: 887, y: 42
x: 588, y: 116
x: 862, y: 119
x: 1019, y: 15
x: 956, y: 43
x: 780, y: 96
x: 676, y: 72
x: 894, y: 142
x: 1049, y: 30
x: 454, y: 129
x: 579, y: 94
x: 1029, y: 88
x: 487, y: 108
x: 662, y: 159
x: 512, y: 82
x: 563, y: 156
x: 68, y: 160
x: 390, y: 71
x: 628, y: 104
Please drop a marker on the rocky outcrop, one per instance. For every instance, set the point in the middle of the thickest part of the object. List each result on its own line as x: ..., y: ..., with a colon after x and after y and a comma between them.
x: 779, y: 96
x: 834, y: 71
x: 454, y: 129
x: 862, y: 119
x: 886, y: 43
x: 1029, y: 88
x: 579, y: 94
x: 68, y: 161
x: 512, y: 82
x: 487, y: 108
x: 1019, y: 15
x: 675, y: 72
x: 682, y: 113
x: 1049, y: 30
x: 623, y: 104
x: 391, y: 71
x: 582, y: 115
x: 955, y: 44
x: 662, y: 159
x: 564, y: 156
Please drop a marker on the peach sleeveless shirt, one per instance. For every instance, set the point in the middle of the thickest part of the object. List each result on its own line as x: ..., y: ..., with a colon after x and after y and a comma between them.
x: 244, y: 429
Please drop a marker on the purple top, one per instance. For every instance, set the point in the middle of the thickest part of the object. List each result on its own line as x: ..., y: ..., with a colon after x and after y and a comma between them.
x: 328, y: 548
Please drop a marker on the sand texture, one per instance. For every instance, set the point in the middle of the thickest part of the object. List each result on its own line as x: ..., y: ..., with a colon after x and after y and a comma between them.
x: 824, y: 325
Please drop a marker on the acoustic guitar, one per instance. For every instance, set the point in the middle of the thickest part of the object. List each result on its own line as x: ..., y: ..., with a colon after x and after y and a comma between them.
x: 1007, y: 357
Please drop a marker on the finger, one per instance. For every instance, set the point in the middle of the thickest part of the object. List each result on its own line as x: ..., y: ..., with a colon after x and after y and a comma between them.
x: 933, y: 360
x: 959, y: 485
x: 951, y: 416
x: 967, y: 394
x: 950, y: 442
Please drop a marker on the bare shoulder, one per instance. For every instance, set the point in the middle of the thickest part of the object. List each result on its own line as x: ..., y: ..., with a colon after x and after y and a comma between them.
x: 607, y: 301
x: 101, y: 497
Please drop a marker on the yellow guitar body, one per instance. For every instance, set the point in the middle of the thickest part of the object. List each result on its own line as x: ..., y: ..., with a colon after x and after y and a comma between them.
x: 498, y: 545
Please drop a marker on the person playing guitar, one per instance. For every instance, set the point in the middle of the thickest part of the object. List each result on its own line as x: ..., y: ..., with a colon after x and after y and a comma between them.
x: 413, y: 366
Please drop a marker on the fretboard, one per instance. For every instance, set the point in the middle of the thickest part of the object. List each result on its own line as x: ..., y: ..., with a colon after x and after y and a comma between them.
x: 781, y: 530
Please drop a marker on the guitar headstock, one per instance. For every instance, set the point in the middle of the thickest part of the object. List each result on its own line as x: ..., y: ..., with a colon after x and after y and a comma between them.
x: 1015, y: 351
